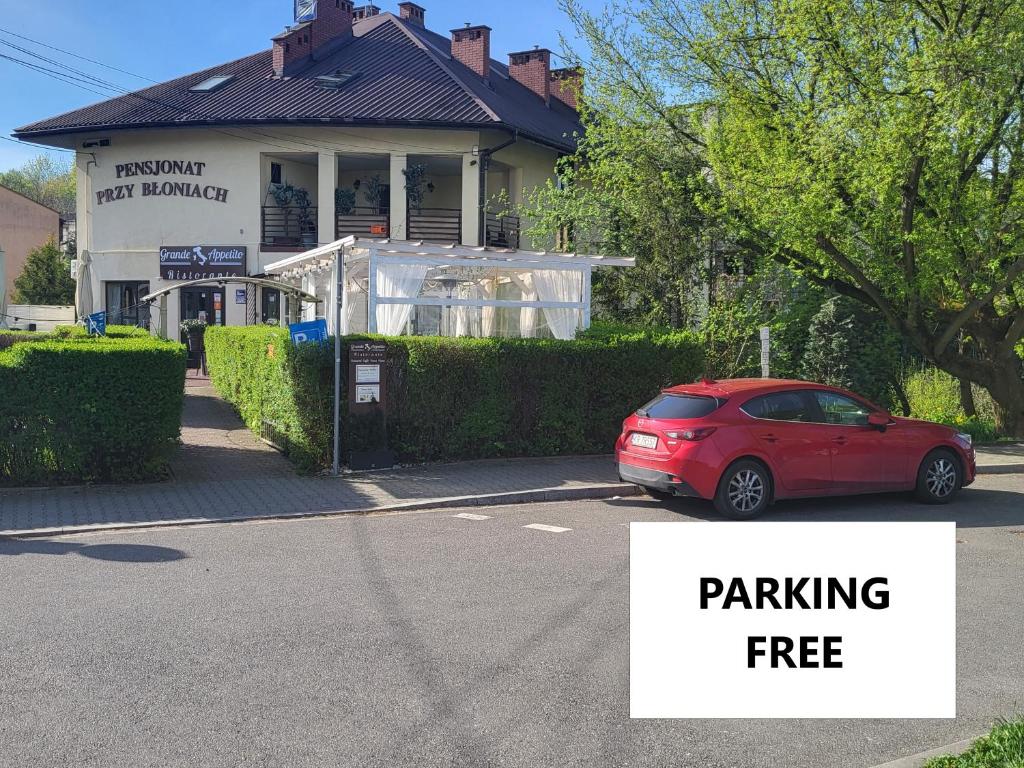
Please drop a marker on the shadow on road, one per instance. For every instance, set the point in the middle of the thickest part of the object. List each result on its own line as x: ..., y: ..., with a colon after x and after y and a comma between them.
x: 973, y: 508
x: 120, y: 553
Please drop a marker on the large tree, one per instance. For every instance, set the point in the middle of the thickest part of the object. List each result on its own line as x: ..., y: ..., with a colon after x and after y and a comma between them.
x: 46, y: 278
x: 875, y: 146
x: 45, y: 180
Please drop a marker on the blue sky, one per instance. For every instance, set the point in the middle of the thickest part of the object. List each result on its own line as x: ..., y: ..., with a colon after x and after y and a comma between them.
x: 163, y: 39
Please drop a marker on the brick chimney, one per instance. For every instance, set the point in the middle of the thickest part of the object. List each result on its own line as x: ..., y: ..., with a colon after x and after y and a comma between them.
x: 532, y: 69
x: 412, y: 12
x: 365, y: 11
x: 304, y: 42
x: 472, y: 46
x: 567, y: 84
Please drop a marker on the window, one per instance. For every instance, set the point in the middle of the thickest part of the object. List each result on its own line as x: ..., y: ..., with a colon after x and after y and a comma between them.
x: 839, y: 409
x: 275, y: 173
x: 212, y: 83
x: 781, y: 406
x: 123, y: 307
x: 666, y: 406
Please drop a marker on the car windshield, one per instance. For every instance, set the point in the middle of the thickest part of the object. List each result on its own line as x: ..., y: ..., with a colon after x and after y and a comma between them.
x: 666, y: 406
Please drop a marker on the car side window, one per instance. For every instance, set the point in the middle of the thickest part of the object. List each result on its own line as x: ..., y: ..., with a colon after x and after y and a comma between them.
x: 839, y: 409
x: 780, y: 406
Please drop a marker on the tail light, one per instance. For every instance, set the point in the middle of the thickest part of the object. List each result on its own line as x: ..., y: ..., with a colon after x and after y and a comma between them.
x: 693, y: 435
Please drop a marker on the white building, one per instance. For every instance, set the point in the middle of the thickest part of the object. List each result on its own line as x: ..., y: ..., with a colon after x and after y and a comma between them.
x: 354, y: 123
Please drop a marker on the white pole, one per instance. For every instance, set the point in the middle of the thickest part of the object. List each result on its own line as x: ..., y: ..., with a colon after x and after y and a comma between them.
x: 338, y: 275
x: 765, y: 351
x: 371, y: 302
x: 588, y: 274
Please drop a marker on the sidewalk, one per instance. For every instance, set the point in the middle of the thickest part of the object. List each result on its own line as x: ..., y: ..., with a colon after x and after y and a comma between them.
x: 222, y: 472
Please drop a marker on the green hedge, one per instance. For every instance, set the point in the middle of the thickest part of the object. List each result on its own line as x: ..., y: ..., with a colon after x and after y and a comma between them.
x: 76, y: 408
x: 450, y: 399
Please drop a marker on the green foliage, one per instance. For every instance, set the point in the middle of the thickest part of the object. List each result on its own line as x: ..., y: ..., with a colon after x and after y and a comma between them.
x: 451, y: 398
x: 46, y: 278
x: 78, y: 408
x: 1002, y: 747
x: 45, y: 180
x: 934, y: 395
x: 850, y: 346
x: 344, y: 201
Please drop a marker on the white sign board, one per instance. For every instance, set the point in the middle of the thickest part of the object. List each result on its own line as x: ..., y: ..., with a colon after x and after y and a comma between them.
x: 765, y: 350
x: 367, y: 374
x: 808, y: 620
x: 368, y: 393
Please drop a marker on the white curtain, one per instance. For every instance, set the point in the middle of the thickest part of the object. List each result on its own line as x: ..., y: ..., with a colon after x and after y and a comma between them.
x: 560, y: 285
x: 397, y: 281
x: 464, y: 316
x: 527, y: 315
x: 489, y: 290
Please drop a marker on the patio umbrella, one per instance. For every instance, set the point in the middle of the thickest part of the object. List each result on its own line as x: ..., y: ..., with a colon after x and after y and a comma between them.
x: 3, y: 288
x: 83, y: 286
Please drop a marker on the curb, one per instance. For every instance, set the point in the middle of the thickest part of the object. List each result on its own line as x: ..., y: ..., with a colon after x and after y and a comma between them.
x: 536, y: 495
x: 916, y: 761
x: 1000, y: 469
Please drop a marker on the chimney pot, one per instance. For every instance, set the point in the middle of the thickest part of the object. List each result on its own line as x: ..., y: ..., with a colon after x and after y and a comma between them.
x: 472, y: 46
x: 300, y: 42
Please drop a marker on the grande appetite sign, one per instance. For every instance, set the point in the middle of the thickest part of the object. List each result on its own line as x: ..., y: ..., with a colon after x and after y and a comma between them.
x: 197, y: 262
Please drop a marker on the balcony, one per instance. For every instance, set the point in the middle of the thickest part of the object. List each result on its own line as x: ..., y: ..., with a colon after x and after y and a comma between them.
x: 288, y: 227
x: 435, y: 225
x: 362, y: 222
x: 502, y: 231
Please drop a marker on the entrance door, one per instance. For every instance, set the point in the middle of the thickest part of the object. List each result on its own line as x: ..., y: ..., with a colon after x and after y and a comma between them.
x: 201, y: 304
x: 270, y: 309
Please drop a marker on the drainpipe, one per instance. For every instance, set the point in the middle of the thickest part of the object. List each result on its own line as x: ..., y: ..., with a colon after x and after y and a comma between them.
x: 485, y: 162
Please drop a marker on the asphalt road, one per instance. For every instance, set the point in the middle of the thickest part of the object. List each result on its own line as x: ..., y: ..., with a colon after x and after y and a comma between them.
x: 426, y: 639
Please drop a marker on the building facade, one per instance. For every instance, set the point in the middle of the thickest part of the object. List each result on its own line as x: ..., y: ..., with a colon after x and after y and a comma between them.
x: 358, y: 122
x: 24, y: 226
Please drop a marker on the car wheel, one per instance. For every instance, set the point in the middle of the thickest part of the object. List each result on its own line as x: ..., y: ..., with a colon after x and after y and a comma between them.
x: 939, y: 478
x: 744, y: 490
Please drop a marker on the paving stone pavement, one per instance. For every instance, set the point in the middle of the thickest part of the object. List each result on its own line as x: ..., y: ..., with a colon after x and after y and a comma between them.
x: 223, y: 471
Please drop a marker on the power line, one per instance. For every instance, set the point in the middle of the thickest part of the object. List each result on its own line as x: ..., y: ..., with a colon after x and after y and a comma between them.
x: 75, y: 55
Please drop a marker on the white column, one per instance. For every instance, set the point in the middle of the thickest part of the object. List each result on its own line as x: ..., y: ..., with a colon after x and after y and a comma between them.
x: 470, y: 199
x: 371, y: 290
x: 588, y: 273
x: 83, y: 206
x: 398, y: 202
x: 515, y: 186
x: 327, y: 181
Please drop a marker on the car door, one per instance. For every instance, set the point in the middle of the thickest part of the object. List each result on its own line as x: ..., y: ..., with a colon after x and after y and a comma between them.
x: 863, y: 457
x: 784, y: 428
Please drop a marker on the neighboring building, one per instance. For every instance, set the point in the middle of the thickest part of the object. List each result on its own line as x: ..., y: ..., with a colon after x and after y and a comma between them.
x: 225, y: 171
x: 24, y: 226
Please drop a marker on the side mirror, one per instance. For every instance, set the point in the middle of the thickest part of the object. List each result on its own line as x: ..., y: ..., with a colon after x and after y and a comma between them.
x: 879, y: 421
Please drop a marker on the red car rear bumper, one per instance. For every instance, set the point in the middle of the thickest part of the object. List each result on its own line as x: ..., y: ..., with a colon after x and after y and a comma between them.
x: 682, y: 475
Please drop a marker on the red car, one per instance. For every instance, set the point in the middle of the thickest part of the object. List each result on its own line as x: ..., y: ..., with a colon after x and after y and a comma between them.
x: 746, y: 442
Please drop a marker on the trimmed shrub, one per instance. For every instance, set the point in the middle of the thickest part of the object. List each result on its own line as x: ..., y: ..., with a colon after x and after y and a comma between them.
x: 450, y: 399
x: 89, y: 409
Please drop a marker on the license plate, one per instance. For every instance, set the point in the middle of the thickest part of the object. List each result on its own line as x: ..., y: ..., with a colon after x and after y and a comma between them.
x: 644, y: 441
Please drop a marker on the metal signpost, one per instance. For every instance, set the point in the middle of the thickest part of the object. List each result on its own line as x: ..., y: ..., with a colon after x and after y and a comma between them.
x: 765, y: 351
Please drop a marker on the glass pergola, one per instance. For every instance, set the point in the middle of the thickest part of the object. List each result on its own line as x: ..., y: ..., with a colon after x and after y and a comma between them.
x: 395, y: 287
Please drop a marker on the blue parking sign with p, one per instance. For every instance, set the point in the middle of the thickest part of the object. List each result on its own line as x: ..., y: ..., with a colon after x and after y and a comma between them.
x: 312, y: 330
x: 96, y: 324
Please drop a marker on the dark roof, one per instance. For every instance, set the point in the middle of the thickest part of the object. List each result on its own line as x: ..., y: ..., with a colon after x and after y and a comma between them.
x: 405, y: 76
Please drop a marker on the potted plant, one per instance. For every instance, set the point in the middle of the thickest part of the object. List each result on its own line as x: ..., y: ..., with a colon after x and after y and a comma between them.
x: 415, y: 184
x: 374, y: 193
x: 283, y: 194
x: 193, y: 331
x: 307, y: 223
x: 344, y: 201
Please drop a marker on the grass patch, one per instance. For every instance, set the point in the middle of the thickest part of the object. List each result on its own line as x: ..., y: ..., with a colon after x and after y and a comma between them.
x: 1002, y: 747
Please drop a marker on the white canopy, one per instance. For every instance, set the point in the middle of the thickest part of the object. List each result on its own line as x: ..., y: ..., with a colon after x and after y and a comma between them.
x: 472, y: 289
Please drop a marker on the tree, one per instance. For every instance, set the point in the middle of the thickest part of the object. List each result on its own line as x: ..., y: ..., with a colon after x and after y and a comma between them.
x: 46, y: 181
x: 874, y: 146
x: 46, y: 278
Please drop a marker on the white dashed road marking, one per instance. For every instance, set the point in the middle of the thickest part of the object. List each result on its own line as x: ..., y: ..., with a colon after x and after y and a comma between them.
x: 548, y: 528
x: 471, y: 516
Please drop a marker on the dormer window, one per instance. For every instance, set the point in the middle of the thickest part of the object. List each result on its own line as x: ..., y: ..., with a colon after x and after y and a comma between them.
x: 212, y: 83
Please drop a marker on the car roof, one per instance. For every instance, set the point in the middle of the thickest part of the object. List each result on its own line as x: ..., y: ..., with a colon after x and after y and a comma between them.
x: 724, y: 388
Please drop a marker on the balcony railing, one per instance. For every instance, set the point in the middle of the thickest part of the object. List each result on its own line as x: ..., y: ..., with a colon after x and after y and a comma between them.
x: 288, y: 226
x: 362, y: 222
x: 502, y: 231
x: 435, y: 225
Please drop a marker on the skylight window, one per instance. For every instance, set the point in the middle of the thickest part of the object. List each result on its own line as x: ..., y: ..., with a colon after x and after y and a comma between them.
x: 212, y: 83
x: 336, y: 79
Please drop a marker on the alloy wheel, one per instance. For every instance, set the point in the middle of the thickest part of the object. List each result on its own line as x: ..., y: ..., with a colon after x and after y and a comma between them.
x: 941, y: 478
x: 746, y: 490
